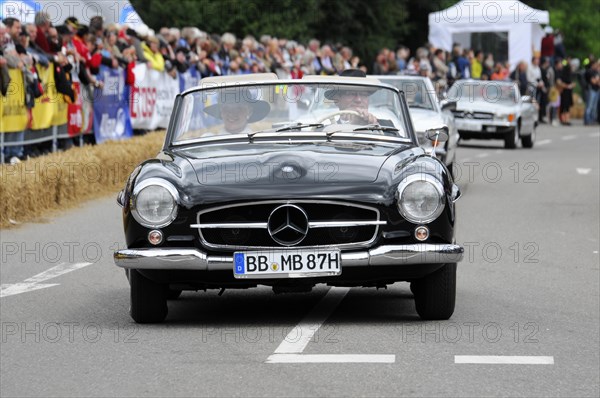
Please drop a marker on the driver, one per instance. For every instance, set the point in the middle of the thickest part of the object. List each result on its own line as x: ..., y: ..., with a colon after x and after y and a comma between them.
x: 236, y: 110
x: 353, y: 99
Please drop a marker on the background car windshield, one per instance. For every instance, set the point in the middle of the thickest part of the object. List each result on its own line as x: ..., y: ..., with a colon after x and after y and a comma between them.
x: 245, y: 109
x: 415, y: 92
x: 491, y: 92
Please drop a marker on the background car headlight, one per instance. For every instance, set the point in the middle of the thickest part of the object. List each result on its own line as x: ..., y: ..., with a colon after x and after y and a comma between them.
x: 420, y: 198
x: 154, y: 204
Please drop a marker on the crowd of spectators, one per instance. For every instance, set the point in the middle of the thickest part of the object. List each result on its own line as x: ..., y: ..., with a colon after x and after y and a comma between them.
x: 550, y: 77
x: 78, y: 50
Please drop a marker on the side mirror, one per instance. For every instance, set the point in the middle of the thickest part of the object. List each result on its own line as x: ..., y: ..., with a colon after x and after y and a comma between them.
x: 447, y: 105
x: 439, y: 134
x: 527, y: 98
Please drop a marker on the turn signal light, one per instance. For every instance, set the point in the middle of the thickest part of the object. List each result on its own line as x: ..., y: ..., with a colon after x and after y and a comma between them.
x: 155, y: 237
x: 511, y: 117
x: 421, y: 233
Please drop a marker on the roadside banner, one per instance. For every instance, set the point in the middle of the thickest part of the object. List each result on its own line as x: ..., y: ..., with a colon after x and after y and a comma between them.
x: 45, y: 106
x: 12, y: 107
x: 151, y: 99
x: 111, y: 110
x: 87, y: 108
x: 61, y: 111
x: 75, y: 112
x: 190, y: 78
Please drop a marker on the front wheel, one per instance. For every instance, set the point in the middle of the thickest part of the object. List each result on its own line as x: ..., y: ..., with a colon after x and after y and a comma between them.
x: 435, y: 294
x: 529, y: 140
x: 148, y: 299
x: 511, y: 140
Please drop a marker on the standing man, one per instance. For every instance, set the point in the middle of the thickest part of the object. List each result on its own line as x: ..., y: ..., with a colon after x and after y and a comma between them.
x: 14, y: 152
x: 592, y: 77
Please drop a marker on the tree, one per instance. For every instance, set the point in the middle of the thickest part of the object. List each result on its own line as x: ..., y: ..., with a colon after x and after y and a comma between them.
x: 366, y: 26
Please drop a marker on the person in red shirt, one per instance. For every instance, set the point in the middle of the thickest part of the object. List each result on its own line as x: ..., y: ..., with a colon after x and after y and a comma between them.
x: 43, y: 24
x: 548, y: 43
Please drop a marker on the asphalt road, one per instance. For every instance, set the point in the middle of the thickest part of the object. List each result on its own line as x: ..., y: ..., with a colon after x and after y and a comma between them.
x: 528, y: 290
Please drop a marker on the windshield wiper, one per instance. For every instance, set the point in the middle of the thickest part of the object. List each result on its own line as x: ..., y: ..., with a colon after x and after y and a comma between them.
x: 299, y: 126
x: 296, y: 126
x: 375, y: 127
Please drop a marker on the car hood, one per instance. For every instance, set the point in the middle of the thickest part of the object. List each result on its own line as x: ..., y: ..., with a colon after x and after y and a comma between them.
x: 326, y: 170
x: 485, y: 106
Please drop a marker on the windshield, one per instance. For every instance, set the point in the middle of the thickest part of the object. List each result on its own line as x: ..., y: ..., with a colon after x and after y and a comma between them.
x: 415, y: 91
x: 290, y: 107
x: 491, y: 92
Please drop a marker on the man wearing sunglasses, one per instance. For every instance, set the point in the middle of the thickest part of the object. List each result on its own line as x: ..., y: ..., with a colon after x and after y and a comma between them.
x: 353, y: 99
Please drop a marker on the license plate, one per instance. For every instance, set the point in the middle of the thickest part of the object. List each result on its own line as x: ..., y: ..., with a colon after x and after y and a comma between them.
x: 491, y: 129
x: 287, y: 264
x: 468, y: 126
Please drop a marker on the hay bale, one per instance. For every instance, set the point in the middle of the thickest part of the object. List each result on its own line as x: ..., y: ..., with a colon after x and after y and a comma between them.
x: 33, y: 188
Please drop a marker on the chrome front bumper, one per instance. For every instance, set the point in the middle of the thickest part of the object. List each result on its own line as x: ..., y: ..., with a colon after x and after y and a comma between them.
x: 480, y: 125
x: 192, y: 259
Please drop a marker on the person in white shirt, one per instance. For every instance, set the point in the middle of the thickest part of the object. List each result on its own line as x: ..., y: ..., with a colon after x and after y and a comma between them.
x: 237, y: 110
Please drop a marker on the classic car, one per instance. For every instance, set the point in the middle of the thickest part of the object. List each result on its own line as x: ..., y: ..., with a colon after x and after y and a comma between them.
x: 242, y: 194
x: 427, y: 112
x: 494, y: 110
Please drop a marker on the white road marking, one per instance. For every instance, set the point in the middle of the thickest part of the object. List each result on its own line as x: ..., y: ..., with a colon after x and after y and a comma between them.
x: 594, y: 135
x: 18, y: 288
x: 595, y: 251
x: 297, y: 339
x: 35, y: 282
x: 330, y: 358
x: 290, y: 349
x: 583, y: 171
x: 543, y: 142
x: 568, y: 137
x: 504, y: 360
x: 482, y: 155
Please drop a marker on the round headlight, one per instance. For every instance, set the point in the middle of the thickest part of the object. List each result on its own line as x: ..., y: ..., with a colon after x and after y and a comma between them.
x: 420, y: 198
x: 154, y: 204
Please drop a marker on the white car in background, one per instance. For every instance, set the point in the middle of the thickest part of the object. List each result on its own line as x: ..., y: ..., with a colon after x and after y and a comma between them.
x: 494, y: 110
x: 426, y: 112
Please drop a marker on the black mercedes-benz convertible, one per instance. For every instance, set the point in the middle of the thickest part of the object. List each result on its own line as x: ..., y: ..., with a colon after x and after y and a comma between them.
x: 290, y: 183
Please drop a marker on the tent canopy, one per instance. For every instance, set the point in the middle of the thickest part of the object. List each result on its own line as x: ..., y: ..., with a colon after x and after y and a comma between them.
x: 521, y: 22
x: 116, y: 11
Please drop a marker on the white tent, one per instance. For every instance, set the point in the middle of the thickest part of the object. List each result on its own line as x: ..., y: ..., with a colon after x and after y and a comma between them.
x: 115, y: 11
x: 457, y: 23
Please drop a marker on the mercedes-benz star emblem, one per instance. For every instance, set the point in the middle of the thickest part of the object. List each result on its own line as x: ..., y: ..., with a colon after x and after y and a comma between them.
x: 288, y: 225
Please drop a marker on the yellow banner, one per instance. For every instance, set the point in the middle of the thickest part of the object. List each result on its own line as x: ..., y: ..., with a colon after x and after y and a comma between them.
x: 12, y: 107
x: 45, y: 106
x: 61, y: 111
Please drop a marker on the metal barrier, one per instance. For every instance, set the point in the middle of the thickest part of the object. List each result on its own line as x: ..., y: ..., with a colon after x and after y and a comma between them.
x: 38, y: 136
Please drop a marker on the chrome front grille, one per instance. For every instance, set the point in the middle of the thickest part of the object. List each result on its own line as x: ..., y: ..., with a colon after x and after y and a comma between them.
x: 473, y: 115
x: 276, y: 224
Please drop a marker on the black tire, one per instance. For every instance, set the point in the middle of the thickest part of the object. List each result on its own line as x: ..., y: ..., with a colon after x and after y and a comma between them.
x: 529, y: 140
x: 173, y: 294
x: 511, y: 139
x: 148, y: 299
x: 435, y: 294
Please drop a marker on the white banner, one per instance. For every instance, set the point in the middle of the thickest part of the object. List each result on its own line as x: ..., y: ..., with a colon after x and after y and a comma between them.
x: 152, y: 98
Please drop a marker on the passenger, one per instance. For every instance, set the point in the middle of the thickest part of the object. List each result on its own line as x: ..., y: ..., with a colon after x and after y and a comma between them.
x: 237, y: 110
